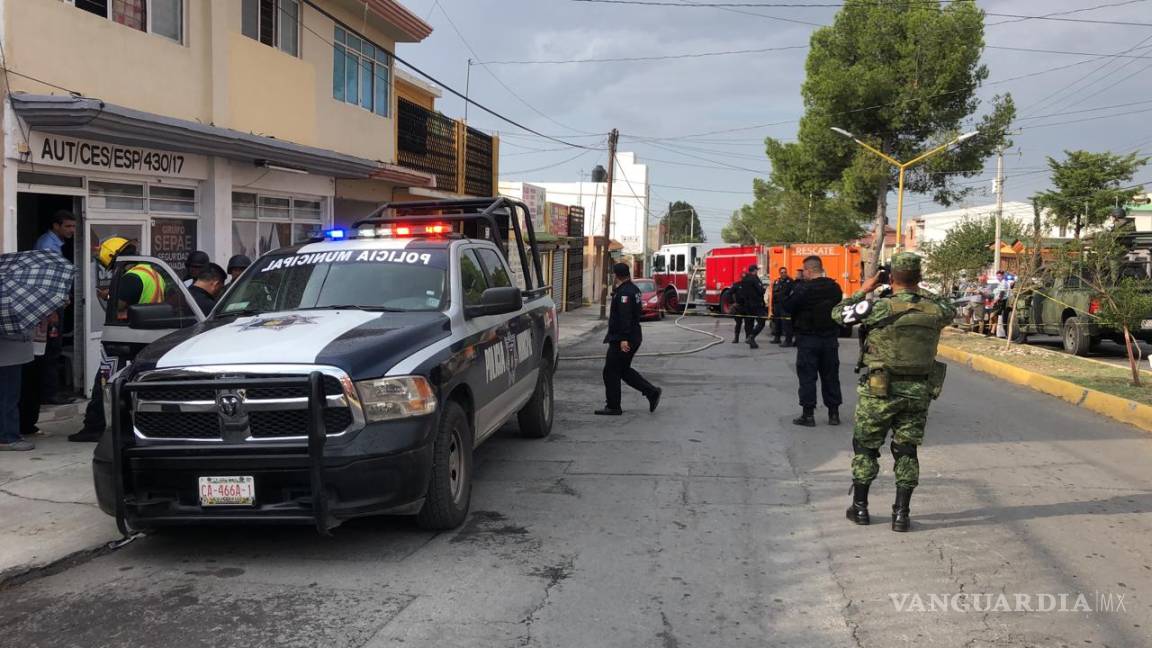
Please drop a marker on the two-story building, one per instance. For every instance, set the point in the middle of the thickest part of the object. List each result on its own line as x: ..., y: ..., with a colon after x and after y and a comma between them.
x: 229, y: 126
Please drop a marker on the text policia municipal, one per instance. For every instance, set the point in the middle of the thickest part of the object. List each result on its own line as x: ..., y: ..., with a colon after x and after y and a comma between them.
x: 350, y: 256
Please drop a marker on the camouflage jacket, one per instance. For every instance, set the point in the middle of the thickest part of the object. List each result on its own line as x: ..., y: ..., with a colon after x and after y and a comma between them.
x: 881, y: 311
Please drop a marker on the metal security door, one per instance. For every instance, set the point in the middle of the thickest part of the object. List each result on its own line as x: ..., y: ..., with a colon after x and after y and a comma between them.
x: 574, y: 296
x: 558, y: 278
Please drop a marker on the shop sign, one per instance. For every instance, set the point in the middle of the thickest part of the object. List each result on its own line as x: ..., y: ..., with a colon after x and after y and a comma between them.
x: 105, y: 156
x: 173, y: 239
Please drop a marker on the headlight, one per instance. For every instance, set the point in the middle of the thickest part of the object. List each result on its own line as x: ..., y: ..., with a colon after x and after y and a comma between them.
x: 106, y: 392
x: 385, y: 399
x: 654, y: 299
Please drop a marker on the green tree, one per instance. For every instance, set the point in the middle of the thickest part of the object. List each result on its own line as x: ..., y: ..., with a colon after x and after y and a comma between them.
x: 1088, y: 186
x: 903, y: 77
x: 779, y: 215
x: 967, y: 249
x: 683, y: 223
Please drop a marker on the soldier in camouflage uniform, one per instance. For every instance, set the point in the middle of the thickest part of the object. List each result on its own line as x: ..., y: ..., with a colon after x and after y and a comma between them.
x: 902, y: 377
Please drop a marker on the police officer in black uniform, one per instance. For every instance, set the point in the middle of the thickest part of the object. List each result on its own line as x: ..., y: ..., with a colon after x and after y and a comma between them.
x: 781, y: 322
x: 623, y: 340
x: 817, y: 343
x: 752, y: 305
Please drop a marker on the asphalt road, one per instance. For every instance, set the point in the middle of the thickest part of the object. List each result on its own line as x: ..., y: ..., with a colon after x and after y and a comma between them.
x: 713, y: 522
x: 1108, y: 351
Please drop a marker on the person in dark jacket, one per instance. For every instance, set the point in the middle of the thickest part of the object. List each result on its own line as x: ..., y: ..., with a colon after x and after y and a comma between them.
x: 781, y: 323
x: 207, y: 287
x: 817, y: 343
x: 623, y: 340
x: 752, y: 305
x: 736, y: 310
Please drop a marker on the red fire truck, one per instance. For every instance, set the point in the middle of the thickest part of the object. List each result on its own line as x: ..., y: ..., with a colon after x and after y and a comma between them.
x: 717, y: 268
x: 672, y: 268
x: 725, y: 266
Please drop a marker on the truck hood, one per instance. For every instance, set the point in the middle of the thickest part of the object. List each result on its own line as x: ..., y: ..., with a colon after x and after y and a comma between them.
x: 364, y: 344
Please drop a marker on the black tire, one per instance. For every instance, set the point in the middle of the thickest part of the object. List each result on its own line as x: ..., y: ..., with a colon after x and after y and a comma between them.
x: 1018, y: 336
x: 450, y: 487
x: 1076, y: 337
x: 535, y: 418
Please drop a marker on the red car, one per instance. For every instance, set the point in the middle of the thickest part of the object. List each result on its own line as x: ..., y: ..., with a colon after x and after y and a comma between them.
x: 649, y: 299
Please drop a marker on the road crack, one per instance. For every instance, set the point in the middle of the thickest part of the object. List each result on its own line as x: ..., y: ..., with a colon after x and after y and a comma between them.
x: 46, y: 500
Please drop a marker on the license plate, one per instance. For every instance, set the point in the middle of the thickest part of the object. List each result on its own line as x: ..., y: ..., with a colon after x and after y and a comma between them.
x: 227, y: 491
x: 1146, y: 324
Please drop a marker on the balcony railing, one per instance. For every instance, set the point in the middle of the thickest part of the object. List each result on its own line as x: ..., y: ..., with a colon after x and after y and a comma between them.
x: 462, y: 159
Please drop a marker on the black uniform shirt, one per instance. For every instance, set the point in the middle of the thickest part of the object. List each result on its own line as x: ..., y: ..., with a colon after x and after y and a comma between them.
x: 624, y: 314
x: 752, y: 294
x: 204, y: 300
x: 811, y: 306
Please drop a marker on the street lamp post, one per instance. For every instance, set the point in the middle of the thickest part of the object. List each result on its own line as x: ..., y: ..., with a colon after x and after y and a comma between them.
x: 903, y: 166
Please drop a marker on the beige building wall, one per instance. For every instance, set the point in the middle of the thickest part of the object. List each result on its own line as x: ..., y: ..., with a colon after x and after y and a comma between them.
x: 226, y: 79
x: 96, y: 57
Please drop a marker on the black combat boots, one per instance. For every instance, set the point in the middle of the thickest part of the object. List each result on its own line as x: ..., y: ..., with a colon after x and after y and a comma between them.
x: 751, y: 340
x: 900, y: 520
x: 807, y: 419
x: 858, y: 512
x: 833, y: 416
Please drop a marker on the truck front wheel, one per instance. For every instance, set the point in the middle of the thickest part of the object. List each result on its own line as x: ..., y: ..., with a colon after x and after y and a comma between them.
x: 450, y: 488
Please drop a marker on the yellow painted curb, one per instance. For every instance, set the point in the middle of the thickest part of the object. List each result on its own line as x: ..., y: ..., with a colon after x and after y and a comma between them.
x: 1121, y: 409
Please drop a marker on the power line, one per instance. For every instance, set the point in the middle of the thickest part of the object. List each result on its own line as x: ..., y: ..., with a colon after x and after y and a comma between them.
x: 550, y: 166
x: 1050, y: 51
x: 452, y: 90
x: 625, y: 59
x: 460, y: 35
x: 721, y: 5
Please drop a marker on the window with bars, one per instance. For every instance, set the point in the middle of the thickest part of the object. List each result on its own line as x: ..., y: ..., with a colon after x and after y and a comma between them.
x: 275, y: 23
x: 262, y: 223
x: 161, y: 17
x: 361, y: 73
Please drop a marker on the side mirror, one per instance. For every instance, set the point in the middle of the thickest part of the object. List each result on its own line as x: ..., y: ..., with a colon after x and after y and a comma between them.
x: 152, y: 317
x: 496, y: 301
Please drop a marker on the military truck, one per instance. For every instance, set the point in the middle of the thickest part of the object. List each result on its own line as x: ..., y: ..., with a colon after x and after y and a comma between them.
x: 1066, y: 306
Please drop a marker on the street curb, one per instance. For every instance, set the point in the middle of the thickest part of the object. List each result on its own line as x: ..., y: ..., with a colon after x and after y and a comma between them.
x: 581, y: 337
x: 1114, y: 407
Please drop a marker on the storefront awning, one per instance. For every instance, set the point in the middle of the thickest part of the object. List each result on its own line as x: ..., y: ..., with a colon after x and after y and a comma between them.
x: 94, y: 119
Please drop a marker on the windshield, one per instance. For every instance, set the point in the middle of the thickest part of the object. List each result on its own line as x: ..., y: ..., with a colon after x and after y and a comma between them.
x: 645, y: 285
x: 401, y: 280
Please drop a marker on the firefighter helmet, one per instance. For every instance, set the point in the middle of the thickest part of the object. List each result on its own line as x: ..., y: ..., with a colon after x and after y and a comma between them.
x: 110, y: 248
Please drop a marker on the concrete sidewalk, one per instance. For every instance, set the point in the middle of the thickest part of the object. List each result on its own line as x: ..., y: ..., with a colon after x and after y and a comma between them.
x: 48, y: 507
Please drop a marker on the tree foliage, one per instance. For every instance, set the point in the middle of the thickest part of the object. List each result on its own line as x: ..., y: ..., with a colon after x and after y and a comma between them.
x: 683, y: 223
x: 779, y: 215
x: 903, y: 77
x: 1088, y: 186
x: 967, y: 249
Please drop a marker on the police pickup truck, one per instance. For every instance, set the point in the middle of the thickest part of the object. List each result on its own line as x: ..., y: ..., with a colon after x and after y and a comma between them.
x: 348, y: 376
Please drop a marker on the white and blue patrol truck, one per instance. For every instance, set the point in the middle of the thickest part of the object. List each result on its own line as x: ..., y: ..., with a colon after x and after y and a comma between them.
x: 352, y: 375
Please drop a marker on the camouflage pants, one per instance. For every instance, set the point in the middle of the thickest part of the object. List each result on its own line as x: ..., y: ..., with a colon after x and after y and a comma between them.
x: 905, y: 417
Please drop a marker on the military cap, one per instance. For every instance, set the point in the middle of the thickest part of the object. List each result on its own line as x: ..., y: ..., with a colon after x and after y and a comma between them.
x: 906, y: 262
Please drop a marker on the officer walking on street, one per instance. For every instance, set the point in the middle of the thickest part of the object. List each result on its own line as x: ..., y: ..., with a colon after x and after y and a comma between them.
x: 752, y: 305
x: 623, y: 339
x: 781, y: 323
x: 902, y: 378
x: 736, y: 310
x: 817, y: 343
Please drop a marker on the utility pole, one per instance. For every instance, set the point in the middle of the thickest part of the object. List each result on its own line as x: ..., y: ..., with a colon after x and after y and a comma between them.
x: 692, y: 225
x: 999, y: 206
x: 808, y: 233
x: 467, y: 83
x: 606, y: 263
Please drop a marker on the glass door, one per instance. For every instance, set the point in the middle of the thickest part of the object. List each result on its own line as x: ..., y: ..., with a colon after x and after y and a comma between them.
x: 96, y: 282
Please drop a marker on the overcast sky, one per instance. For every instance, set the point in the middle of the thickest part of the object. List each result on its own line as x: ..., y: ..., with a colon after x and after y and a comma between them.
x: 672, y: 98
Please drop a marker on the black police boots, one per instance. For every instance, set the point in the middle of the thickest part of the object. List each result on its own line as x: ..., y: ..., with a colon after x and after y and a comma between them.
x: 900, y: 520
x: 736, y: 339
x: 807, y: 419
x: 833, y: 416
x: 752, y: 342
x: 858, y: 512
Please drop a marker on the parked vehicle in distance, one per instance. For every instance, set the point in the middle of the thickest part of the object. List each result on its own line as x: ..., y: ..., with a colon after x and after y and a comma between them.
x: 649, y: 299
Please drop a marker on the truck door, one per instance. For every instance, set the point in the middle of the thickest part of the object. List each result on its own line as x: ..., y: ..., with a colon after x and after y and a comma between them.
x: 145, y: 302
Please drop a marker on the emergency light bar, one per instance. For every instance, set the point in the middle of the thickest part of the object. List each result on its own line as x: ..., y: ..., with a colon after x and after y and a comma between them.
x: 396, y: 231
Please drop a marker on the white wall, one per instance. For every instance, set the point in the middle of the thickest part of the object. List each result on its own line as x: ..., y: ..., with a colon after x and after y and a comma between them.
x: 937, y: 224
x: 630, y: 206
